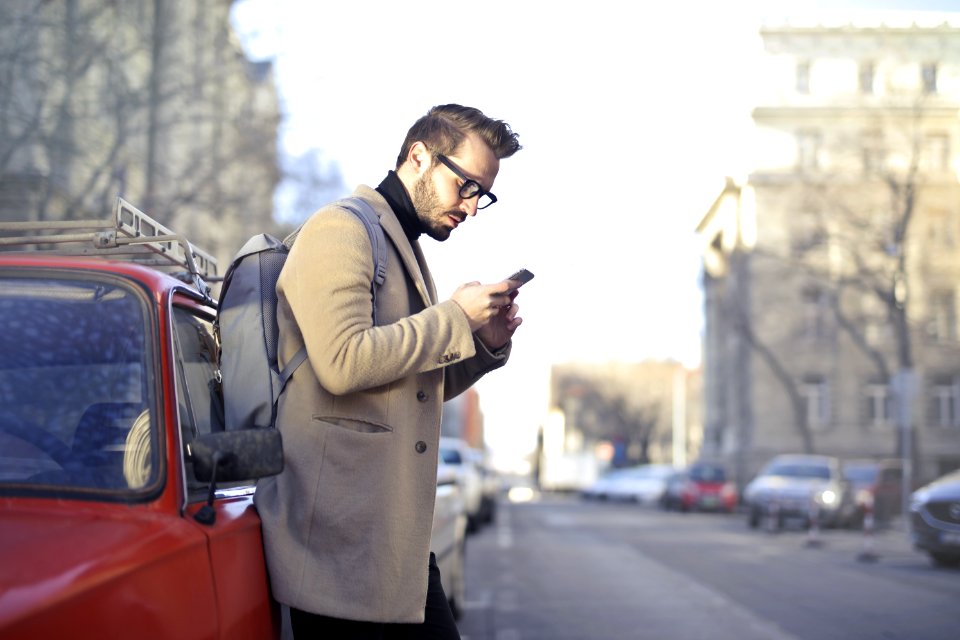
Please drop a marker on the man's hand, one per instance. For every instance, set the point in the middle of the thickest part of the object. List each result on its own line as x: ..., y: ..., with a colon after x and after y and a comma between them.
x: 490, y: 310
x: 499, y: 329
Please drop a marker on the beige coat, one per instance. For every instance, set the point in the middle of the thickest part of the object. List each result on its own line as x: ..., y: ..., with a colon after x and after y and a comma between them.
x: 347, y: 524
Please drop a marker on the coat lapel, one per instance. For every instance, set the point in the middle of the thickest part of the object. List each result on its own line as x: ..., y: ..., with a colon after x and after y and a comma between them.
x: 411, y: 255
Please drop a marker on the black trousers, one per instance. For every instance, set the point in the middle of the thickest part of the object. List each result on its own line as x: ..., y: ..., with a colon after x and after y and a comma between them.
x: 437, y: 625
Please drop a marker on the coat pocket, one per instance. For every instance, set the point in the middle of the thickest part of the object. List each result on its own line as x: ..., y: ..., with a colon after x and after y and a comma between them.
x: 352, y: 424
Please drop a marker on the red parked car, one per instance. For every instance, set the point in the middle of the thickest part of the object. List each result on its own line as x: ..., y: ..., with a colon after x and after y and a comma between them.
x: 702, y: 486
x: 110, y: 525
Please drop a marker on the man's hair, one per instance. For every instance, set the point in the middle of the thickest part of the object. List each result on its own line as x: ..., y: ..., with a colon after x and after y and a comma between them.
x: 444, y: 127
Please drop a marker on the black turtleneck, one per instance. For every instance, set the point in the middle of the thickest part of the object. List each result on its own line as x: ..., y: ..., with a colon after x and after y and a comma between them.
x: 396, y: 195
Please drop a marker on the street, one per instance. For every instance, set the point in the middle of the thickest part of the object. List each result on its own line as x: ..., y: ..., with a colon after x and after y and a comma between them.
x: 560, y: 568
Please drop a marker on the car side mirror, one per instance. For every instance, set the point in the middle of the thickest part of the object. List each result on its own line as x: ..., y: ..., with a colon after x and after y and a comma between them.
x: 229, y: 456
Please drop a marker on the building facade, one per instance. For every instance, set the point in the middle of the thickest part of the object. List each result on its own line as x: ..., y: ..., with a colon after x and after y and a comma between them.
x: 831, y: 272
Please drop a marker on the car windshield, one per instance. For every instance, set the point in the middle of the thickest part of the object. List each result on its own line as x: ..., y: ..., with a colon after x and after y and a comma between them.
x: 861, y: 473
x: 798, y: 470
x: 74, y: 387
x: 705, y: 473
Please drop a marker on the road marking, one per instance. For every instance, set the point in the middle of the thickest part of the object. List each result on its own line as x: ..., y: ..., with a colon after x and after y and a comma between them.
x: 504, y: 530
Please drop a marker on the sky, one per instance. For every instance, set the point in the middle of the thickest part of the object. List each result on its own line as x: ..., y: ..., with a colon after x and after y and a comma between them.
x: 631, y: 115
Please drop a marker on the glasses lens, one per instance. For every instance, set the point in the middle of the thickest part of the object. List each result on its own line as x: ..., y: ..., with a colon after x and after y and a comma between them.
x: 469, y: 189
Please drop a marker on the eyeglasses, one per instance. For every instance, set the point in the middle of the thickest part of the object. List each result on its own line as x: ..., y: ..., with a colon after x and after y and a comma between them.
x: 469, y: 188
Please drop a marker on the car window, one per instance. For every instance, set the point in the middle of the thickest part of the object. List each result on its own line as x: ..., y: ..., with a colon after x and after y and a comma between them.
x: 198, y: 404
x: 75, y: 386
x: 707, y: 473
x: 799, y: 470
x: 861, y: 474
x: 451, y: 456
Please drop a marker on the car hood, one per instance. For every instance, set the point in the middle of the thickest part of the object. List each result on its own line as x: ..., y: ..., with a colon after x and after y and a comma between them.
x: 945, y: 488
x: 53, y: 552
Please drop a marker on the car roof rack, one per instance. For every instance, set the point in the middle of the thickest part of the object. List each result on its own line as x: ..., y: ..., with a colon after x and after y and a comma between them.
x: 129, y: 235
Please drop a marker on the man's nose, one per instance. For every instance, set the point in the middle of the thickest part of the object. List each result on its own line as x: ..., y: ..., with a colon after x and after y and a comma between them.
x: 469, y: 206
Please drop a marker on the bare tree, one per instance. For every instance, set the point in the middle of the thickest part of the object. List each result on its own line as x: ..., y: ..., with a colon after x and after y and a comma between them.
x: 628, y: 405
x: 309, y: 181
x: 149, y: 99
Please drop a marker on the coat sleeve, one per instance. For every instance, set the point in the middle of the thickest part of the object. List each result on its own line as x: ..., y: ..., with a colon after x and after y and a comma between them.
x: 461, y: 376
x: 325, y: 283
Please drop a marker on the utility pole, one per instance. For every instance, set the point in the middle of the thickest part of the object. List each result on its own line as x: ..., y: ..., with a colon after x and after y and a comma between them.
x: 904, y: 390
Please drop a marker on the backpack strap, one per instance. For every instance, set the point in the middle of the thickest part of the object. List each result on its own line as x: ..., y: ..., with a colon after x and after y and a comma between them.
x: 371, y: 222
x: 363, y: 210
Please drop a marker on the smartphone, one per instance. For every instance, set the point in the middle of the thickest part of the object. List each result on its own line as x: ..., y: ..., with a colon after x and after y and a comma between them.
x: 523, y: 276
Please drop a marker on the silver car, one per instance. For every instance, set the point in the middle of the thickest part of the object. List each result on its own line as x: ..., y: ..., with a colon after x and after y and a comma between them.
x: 935, y: 519
x: 800, y: 487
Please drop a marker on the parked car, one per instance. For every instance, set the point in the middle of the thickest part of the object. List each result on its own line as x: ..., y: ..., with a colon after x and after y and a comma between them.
x: 125, y: 508
x: 449, y: 538
x: 798, y: 486
x: 490, y: 486
x: 644, y: 483
x: 460, y: 456
x: 602, y: 487
x: 704, y: 486
x: 935, y: 519
x: 877, y: 486
x: 110, y: 519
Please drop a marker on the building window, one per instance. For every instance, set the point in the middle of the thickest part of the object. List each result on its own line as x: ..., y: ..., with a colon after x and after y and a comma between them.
x: 816, y: 312
x: 878, y: 404
x: 866, y: 77
x: 816, y: 398
x: 945, y: 403
x: 803, y: 77
x: 808, y: 149
x: 943, y: 316
x: 928, y: 74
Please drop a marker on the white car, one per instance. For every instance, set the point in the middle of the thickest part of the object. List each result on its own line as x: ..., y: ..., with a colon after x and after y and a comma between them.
x: 460, y: 456
x: 490, y: 486
x: 449, y: 536
x: 644, y: 483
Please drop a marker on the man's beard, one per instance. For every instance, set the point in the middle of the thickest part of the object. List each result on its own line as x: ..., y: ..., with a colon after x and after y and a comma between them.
x: 430, y: 212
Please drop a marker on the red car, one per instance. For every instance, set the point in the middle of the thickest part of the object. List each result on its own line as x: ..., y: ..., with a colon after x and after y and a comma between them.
x: 110, y: 523
x: 701, y: 487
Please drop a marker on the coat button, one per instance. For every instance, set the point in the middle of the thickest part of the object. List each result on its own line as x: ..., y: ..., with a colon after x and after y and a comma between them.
x: 422, y: 396
x: 421, y: 446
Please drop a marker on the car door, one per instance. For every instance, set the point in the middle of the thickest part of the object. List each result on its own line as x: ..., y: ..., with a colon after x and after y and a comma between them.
x: 244, y: 606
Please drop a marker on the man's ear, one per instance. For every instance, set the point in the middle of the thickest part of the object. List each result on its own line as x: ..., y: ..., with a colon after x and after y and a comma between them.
x: 419, y: 158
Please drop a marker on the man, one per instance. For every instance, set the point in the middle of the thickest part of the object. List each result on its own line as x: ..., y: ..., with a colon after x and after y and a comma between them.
x: 347, y: 524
